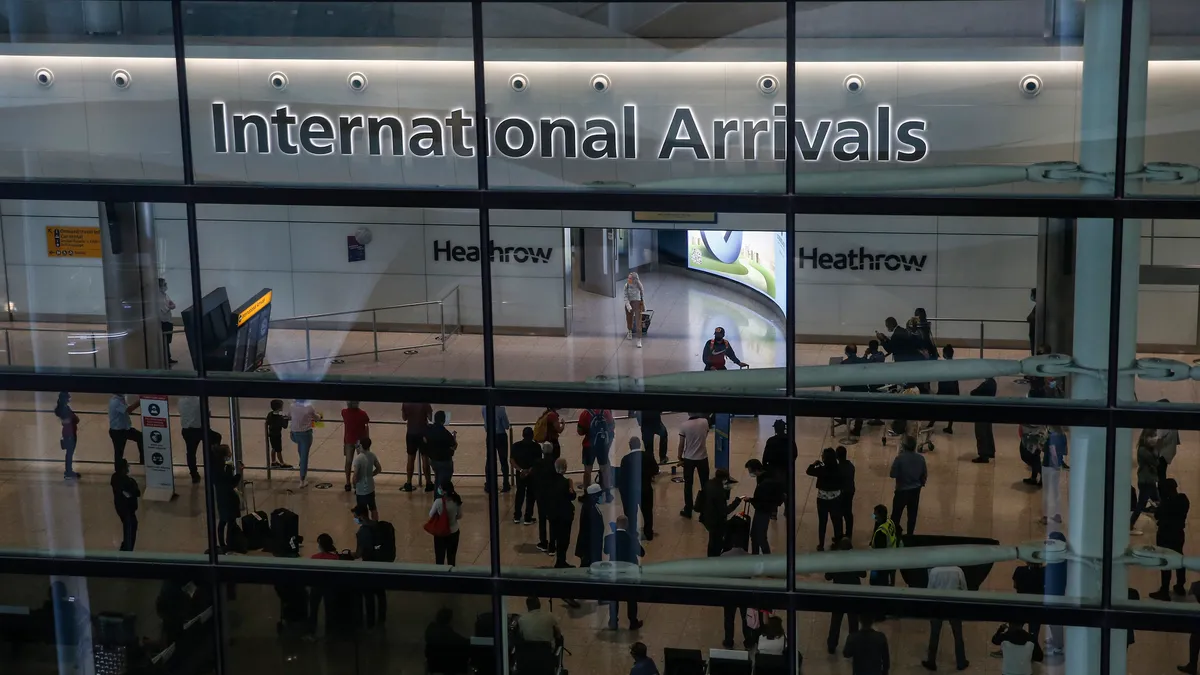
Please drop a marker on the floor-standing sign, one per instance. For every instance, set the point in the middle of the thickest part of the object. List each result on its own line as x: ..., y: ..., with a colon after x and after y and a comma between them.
x: 721, y: 441
x: 156, y: 437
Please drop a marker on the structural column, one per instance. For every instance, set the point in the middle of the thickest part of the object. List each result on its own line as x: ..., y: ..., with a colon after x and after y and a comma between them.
x: 130, y: 262
x: 1093, y: 288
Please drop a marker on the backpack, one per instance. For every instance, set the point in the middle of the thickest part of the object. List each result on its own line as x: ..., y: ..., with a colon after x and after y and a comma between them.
x: 541, y: 428
x: 385, y: 542
x: 599, y: 435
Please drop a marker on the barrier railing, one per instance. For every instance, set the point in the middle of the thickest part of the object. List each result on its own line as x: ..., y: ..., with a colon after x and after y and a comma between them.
x: 981, y: 322
x: 73, y: 335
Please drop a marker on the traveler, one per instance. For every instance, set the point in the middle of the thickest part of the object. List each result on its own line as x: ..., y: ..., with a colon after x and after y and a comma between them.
x: 355, y: 428
x: 1147, y: 476
x: 275, y: 422
x: 851, y: 357
x: 642, y: 663
x: 542, y: 481
x: 165, y: 306
x: 1052, y: 463
x: 872, y: 354
x: 718, y: 350
x: 1030, y: 579
x: 910, y: 473
x: 693, y: 454
x: 589, y: 541
x: 947, y: 578
x: 985, y: 441
x: 547, y: 428
x: 538, y: 625
x: 497, y: 436
x: 847, y: 469
x: 634, y: 483
x: 225, y: 481
x: 561, y: 503
x: 1168, y: 445
x: 651, y: 426
x: 447, y: 652
x: 366, y: 467
x: 635, y: 304
x: 301, y: 419
x: 714, y: 507
x: 525, y: 453
x: 440, y: 444
x: 368, y: 542
x: 829, y: 494
x: 120, y: 428
x: 835, y: 619
x: 922, y: 330
x: 192, y: 429
x: 417, y: 417
x: 597, y: 427
x: 868, y: 650
x: 898, y: 342
x: 1016, y: 648
x: 772, y: 640
x: 948, y: 387
x: 1033, y: 440
x: 70, y: 432
x: 884, y: 537
x: 733, y: 548
x: 125, y: 498
x: 446, y: 500
x: 775, y: 457
x: 1056, y: 586
x: 622, y: 546
x: 769, y: 494
x: 1171, y: 514
x: 1193, y: 639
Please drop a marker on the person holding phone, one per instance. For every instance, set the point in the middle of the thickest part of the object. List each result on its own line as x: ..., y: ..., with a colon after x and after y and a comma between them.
x: 440, y: 444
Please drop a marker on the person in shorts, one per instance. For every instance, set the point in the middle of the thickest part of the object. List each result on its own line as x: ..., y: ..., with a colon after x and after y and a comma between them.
x: 276, y: 422
x: 366, y: 467
x: 354, y: 425
x: 599, y: 453
x: 418, y: 416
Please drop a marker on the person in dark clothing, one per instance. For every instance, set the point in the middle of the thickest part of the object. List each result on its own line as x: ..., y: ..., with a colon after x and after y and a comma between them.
x: 623, y: 546
x: 541, y: 481
x: 829, y: 494
x: 948, y: 387
x: 717, y: 351
x: 847, y: 469
x: 1171, y: 516
x: 769, y: 494
x: 635, y: 483
x: 374, y: 600
x: 1030, y: 579
x: 835, y: 619
x: 922, y: 330
x: 226, y: 479
x: 715, y: 508
x: 642, y: 664
x: 1016, y: 648
x: 851, y: 357
x: 447, y: 652
x: 1032, y: 321
x: 590, y: 538
x: 1193, y: 639
x: 525, y: 454
x: 775, y: 455
x: 868, y: 650
x: 561, y: 503
x: 125, y: 498
x: 884, y: 537
x: 898, y: 342
x: 651, y: 427
x: 910, y: 471
x: 275, y: 423
x: 985, y: 441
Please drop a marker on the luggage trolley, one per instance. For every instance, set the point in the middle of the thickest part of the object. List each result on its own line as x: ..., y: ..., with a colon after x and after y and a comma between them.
x: 922, y: 435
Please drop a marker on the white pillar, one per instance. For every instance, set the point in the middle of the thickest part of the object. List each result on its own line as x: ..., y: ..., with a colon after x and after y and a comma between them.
x: 1093, y: 280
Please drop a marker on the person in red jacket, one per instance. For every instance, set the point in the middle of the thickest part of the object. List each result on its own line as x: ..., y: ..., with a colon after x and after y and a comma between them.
x: 718, y: 350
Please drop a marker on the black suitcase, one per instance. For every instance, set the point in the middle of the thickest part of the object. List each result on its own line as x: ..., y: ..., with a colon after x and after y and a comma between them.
x: 647, y: 317
x: 256, y: 525
x: 737, y: 532
x: 285, y: 533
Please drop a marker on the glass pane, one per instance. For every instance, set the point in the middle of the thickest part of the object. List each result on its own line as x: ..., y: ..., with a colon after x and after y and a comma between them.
x: 92, y: 285
x: 342, y: 93
x: 1162, y: 145
x: 684, y: 284
x: 1165, y: 308
x: 648, y: 96
x: 883, y: 115
x: 90, y: 92
x: 344, y: 293
x: 60, y: 624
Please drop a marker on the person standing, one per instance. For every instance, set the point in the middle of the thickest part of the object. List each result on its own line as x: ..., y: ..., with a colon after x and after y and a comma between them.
x: 632, y: 482
x: 1147, y: 476
x: 497, y: 435
x: 562, y: 512
x: 446, y: 500
x: 589, y: 540
x: 1052, y: 464
x: 226, y: 479
x: 525, y: 453
x: 946, y: 578
x: 301, y: 419
x: 884, y: 537
x: 417, y: 416
x: 366, y: 467
x: 910, y: 474
x: 1056, y: 586
x: 718, y: 350
x: 693, y: 454
x: 635, y: 305
x: 1168, y: 445
x: 985, y: 441
x: 733, y: 549
x: 715, y: 509
x: 275, y: 422
x: 851, y: 357
x: 1030, y: 579
x: 547, y: 428
x: 651, y: 426
x: 70, y: 432
x: 120, y: 427
x: 355, y: 428
x: 373, y: 601
x: 868, y: 650
x: 440, y: 444
x: 125, y: 498
x: 776, y: 451
x: 1171, y: 514
x: 829, y: 494
x: 596, y: 426
x: 1193, y: 639
x: 948, y: 387
x: 622, y: 546
x: 847, y: 469
x: 769, y: 494
x: 542, y: 482
x: 165, y: 307
x: 192, y: 430
x: 835, y: 619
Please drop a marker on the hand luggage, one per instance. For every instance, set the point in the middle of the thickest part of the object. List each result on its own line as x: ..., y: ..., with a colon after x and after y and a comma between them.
x: 256, y: 526
x: 236, y: 539
x: 737, y: 531
x: 385, y: 542
x: 647, y: 317
x: 285, y: 532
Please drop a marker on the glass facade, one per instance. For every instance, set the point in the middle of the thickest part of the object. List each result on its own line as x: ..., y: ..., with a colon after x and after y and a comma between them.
x: 395, y: 335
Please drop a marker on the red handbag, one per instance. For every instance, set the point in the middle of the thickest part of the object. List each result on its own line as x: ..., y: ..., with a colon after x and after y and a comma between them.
x: 439, y: 523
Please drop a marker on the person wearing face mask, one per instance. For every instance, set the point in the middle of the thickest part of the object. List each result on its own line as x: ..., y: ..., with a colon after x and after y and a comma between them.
x: 590, y: 538
x: 445, y: 549
x: 715, y: 508
x: 561, y: 503
x: 165, y: 306
x: 635, y: 304
x: 718, y: 350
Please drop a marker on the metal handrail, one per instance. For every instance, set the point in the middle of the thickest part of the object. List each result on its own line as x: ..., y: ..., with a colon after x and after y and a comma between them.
x: 981, y: 323
x: 71, y: 333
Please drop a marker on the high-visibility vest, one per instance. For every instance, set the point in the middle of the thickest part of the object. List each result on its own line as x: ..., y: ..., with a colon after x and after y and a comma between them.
x: 888, y: 528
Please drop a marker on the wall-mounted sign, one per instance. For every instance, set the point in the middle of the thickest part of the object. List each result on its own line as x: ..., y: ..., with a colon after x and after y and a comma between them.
x: 759, y: 138
x: 709, y: 218
x: 446, y: 250
x: 72, y: 242
x: 355, y: 252
x: 861, y: 259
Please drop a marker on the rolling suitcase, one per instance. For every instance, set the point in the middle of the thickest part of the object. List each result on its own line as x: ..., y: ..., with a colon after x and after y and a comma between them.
x: 285, y: 532
x: 256, y: 526
x: 647, y: 317
x: 737, y: 531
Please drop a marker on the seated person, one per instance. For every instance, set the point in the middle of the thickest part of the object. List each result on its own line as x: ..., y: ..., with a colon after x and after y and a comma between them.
x: 446, y: 651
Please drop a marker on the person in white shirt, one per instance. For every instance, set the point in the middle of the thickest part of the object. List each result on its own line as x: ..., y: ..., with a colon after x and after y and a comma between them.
x: 165, y: 305
x: 772, y: 640
x: 1016, y: 648
x: 693, y: 454
x: 193, y: 435
x: 949, y: 578
x: 635, y: 304
x: 300, y: 428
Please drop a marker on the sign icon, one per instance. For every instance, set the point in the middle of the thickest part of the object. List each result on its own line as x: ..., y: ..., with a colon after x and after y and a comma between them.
x: 156, y: 436
x: 154, y: 410
x: 157, y: 458
x: 724, y: 245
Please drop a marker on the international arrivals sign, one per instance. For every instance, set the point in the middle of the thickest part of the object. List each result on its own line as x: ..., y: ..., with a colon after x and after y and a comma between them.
x: 885, y: 138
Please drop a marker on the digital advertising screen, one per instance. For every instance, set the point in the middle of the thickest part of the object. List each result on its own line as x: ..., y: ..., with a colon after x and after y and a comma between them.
x: 754, y: 259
